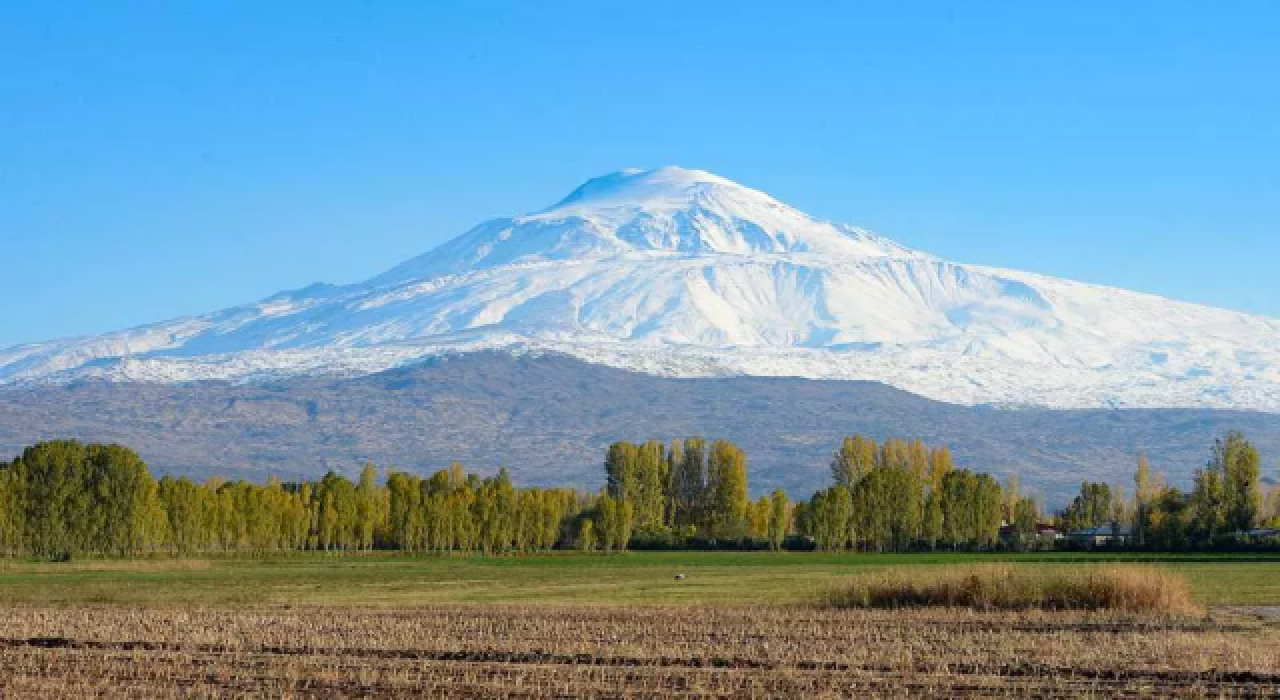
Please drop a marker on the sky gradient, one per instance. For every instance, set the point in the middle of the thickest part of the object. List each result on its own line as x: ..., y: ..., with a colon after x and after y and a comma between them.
x: 159, y: 160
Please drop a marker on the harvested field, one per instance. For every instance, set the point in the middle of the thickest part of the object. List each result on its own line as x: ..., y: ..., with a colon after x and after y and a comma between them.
x: 546, y: 651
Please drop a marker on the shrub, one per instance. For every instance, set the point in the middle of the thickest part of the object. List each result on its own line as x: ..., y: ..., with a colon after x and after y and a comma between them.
x: 1021, y: 587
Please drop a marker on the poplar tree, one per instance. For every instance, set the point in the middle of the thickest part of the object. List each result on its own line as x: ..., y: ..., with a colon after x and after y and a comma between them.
x: 1171, y: 519
x: 827, y: 517
x: 959, y: 518
x: 615, y: 520
x: 1026, y: 515
x: 758, y: 514
x: 887, y: 507
x: 671, y: 486
x: 940, y: 464
x: 367, y: 510
x: 1209, y: 504
x: 931, y: 522
x: 988, y: 510
x: 11, y: 523
x: 918, y: 460
x: 1143, y: 495
x: 689, y: 478
x: 651, y: 477
x: 620, y: 468
x: 1237, y: 462
x: 779, y: 518
x: 894, y: 454
x: 405, y: 519
x: 1271, y: 507
x: 726, y: 500
x: 637, y: 474
x: 1012, y: 487
x: 53, y: 497
x: 855, y: 458
x: 587, y: 535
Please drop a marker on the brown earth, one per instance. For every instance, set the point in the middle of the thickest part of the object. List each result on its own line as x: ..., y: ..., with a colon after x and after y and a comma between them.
x: 616, y: 652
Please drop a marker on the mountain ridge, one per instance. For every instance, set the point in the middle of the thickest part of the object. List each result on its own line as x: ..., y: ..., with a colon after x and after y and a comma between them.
x: 683, y: 273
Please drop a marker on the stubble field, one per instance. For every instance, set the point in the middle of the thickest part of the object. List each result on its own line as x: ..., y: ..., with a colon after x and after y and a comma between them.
x: 738, y: 625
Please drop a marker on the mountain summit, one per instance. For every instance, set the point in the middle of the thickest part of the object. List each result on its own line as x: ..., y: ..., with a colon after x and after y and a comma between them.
x: 669, y: 209
x: 684, y: 273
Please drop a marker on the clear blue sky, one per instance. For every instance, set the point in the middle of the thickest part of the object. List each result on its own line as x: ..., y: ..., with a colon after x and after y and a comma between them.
x: 161, y: 159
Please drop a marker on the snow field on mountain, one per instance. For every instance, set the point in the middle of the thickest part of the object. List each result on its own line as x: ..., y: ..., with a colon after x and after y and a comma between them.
x: 683, y: 273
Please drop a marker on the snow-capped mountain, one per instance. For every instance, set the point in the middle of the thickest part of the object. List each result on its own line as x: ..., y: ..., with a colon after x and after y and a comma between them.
x: 684, y: 273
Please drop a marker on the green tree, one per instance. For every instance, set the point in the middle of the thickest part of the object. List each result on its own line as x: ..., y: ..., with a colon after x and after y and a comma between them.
x: 622, y: 471
x: 972, y: 506
x: 988, y: 508
x: 758, y: 514
x: 1092, y: 507
x: 651, y: 477
x: 1170, y: 519
x: 779, y: 520
x: 1209, y: 504
x: 1026, y: 516
x: 616, y: 519
x: 931, y: 521
x: 587, y: 535
x: 406, y: 506
x: 855, y: 458
x: 1237, y: 462
x: 688, y: 482
x: 726, y: 500
x: 1144, y: 494
x: 11, y: 522
x: 671, y: 487
x: 54, y: 498
x: 121, y: 505
x: 940, y: 464
x: 826, y: 519
x: 494, y: 511
x: 367, y: 507
x: 637, y: 474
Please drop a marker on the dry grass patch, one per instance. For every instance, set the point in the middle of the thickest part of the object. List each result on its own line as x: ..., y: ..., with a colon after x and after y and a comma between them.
x: 1123, y: 587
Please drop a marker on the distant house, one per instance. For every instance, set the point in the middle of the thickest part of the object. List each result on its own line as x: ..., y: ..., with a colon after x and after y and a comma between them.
x: 1101, y: 536
x: 1045, y: 533
x: 1262, y: 533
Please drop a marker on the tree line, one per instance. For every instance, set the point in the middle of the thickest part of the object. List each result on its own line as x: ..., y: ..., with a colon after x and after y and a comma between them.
x: 691, y: 489
x: 1226, y: 505
x: 64, y: 498
x: 900, y: 495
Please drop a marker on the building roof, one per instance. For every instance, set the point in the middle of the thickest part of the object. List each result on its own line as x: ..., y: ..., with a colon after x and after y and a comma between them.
x: 1103, y: 531
x: 1258, y: 532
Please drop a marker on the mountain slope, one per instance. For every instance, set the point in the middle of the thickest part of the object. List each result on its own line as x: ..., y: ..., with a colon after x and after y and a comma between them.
x: 683, y: 273
x: 549, y: 419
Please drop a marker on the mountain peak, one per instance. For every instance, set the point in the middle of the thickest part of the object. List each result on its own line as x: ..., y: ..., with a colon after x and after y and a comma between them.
x: 634, y: 186
x: 660, y: 211
x: 620, y: 195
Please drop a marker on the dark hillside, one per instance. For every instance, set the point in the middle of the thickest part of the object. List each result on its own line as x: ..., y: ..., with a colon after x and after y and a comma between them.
x: 549, y: 418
